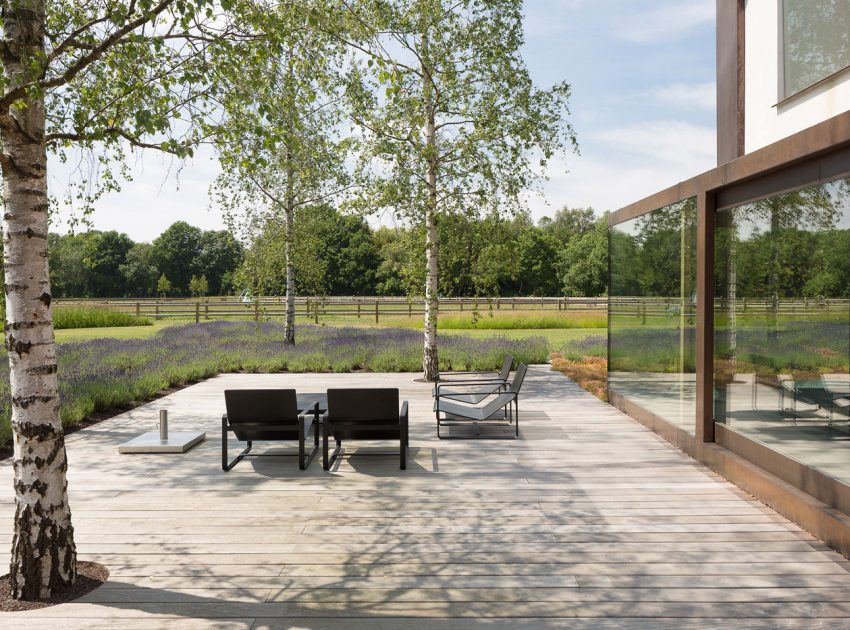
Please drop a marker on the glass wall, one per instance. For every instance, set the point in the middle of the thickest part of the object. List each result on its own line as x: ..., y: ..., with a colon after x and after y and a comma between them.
x: 816, y: 41
x: 782, y: 324
x: 652, y: 312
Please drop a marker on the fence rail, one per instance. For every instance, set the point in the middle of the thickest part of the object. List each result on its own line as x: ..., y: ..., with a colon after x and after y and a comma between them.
x: 316, y: 308
x: 374, y: 308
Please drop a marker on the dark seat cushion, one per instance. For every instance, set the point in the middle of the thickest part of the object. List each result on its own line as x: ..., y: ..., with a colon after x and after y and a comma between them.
x: 364, y: 414
x: 256, y: 414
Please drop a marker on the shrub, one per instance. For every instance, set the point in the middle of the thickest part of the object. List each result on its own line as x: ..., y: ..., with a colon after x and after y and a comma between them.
x: 91, y: 317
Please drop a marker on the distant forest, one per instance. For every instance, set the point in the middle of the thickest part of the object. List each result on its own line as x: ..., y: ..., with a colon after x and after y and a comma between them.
x: 337, y: 254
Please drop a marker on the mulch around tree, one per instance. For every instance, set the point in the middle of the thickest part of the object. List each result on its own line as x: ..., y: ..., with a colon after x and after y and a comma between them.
x: 90, y: 575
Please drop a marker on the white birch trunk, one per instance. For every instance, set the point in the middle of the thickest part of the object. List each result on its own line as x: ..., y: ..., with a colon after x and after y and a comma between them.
x: 289, y: 326
x: 43, y: 551
x: 430, y: 362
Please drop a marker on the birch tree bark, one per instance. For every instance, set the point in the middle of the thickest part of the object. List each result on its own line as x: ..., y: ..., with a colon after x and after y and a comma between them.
x: 43, y: 551
x: 430, y: 360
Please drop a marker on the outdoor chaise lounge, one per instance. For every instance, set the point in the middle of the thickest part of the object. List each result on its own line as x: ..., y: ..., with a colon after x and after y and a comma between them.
x: 462, y: 377
x: 476, y: 404
x: 267, y: 414
x: 364, y: 414
x: 456, y: 384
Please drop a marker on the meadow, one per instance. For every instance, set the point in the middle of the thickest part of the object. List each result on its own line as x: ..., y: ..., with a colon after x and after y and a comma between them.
x: 109, y: 373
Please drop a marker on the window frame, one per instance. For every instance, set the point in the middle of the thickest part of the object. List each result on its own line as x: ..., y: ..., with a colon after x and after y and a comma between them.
x: 783, y: 95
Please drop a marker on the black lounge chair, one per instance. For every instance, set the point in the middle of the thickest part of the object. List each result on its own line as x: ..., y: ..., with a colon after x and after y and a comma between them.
x: 364, y: 414
x: 464, y: 377
x: 268, y: 414
x: 457, y: 384
x: 477, y: 405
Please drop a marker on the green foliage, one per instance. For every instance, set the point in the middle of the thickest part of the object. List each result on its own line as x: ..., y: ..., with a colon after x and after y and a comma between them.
x: 198, y: 287
x: 333, y: 254
x: 110, y: 264
x: 65, y: 317
x: 537, y: 257
x: 175, y: 252
x: 583, y: 264
x: 139, y: 271
x: 163, y: 286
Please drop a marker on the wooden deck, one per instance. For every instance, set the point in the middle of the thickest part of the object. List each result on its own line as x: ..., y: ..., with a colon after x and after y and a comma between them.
x: 587, y: 521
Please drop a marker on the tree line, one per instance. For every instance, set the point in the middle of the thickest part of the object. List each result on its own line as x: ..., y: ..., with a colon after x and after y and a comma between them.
x: 183, y: 260
x: 340, y: 254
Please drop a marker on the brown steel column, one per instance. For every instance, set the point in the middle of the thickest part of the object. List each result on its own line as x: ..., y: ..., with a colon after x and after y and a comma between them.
x: 705, y: 317
x: 730, y: 80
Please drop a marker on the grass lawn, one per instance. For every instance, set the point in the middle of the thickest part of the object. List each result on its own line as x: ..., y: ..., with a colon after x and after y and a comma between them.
x: 116, y: 332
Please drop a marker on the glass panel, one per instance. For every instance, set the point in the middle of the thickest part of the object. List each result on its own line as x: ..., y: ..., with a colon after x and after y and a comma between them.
x: 816, y: 41
x: 652, y: 340
x: 782, y: 324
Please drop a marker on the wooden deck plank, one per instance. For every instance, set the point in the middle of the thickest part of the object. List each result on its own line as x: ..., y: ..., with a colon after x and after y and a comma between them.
x: 588, y: 521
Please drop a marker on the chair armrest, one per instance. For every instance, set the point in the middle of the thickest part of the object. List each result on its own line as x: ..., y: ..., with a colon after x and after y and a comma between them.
x: 489, y: 381
x: 402, y: 416
x: 224, y: 421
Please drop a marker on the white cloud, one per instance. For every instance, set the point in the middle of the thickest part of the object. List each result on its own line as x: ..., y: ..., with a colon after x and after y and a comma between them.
x: 158, y: 196
x: 623, y: 165
x: 700, y: 95
x: 669, y: 20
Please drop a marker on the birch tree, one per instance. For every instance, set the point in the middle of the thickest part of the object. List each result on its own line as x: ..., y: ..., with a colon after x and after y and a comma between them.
x: 278, y: 146
x: 105, y: 76
x: 450, y: 113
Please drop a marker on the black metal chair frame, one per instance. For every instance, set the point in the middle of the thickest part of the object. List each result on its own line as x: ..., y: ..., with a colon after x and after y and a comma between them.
x: 376, y: 431
x: 510, y: 407
x: 308, y: 420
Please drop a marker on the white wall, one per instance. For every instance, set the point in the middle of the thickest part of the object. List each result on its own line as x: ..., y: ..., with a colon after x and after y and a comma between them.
x: 766, y: 122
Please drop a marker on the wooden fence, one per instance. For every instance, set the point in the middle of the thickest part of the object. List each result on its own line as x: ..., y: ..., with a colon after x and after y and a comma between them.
x: 316, y: 308
x: 375, y: 308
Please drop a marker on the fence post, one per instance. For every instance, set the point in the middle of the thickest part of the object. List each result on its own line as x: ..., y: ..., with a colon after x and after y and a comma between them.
x: 207, y: 309
x: 498, y: 304
x: 138, y: 309
x: 376, y: 311
x: 358, y: 309
x: 461, y: 304
x: 409, y: 307
x: 513, y: 304
x: 257, y: 309
x: 156, y: 311
x: 197, y: 312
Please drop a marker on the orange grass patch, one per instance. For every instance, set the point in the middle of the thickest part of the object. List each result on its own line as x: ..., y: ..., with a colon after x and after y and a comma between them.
x: 591, y: 373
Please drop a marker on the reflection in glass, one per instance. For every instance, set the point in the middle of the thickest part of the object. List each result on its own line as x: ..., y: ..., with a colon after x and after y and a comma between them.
x: 782, y: 323
x: 816, y: 41
x: 652, y: 312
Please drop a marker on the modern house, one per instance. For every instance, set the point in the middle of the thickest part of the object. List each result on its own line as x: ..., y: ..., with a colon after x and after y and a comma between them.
x: 729, y: 317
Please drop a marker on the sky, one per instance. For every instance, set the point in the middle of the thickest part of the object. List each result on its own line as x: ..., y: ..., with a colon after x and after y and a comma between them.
x: 642, y: 74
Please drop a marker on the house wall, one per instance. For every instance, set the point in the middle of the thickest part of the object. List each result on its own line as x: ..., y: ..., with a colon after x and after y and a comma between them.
x: 768, y: 118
